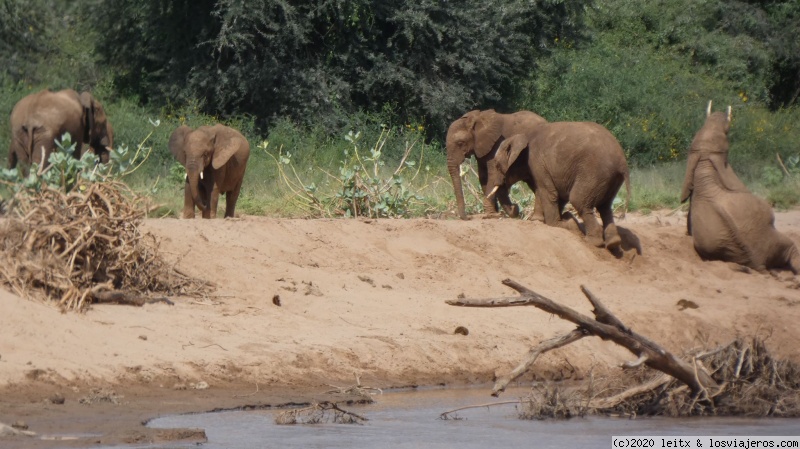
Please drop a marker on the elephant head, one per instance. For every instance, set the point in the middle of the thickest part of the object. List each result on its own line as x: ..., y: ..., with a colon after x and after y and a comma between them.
x: 201, y: 151
x: 507, y: 153
x: 711, y: 143
x: 98, y: 131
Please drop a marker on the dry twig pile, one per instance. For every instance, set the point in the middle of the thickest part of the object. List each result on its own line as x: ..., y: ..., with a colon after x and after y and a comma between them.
x: 80, y: 247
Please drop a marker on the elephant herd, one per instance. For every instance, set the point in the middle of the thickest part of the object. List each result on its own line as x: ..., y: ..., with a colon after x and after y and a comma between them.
x: 583, y: 163
x: 215, y: 157
x: 580, y: 163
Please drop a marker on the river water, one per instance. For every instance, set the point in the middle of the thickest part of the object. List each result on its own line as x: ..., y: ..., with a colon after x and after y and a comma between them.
x: 409, y: 419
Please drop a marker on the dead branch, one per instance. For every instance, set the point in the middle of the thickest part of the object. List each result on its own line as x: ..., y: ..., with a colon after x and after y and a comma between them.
x: 316, y: 413
x: 746, y: 380
x: 357, y: 389
x: 607, y: 327
x: 533, y: 354
x: 446, y: 415
x: 613, y: 401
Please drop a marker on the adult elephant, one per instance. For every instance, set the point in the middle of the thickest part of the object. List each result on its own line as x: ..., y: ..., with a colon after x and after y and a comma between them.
x: 41, y: 118
x: 215, y: 158
x: 479, y: 133
x: 726, y: 221
x: 577, y: 162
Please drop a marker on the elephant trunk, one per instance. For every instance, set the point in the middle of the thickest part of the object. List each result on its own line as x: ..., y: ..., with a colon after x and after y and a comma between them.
x: 455, y: 176
x: 193, y: 175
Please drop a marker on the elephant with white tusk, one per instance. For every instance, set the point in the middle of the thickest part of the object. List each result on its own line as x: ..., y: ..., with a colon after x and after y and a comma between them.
x: 215, y: 158
x: 479, y: 133
x: 41, y: 118
x: 726, y: 221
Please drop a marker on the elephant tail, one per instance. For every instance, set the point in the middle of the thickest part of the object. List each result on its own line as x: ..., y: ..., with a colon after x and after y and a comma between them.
x: 627, y: 193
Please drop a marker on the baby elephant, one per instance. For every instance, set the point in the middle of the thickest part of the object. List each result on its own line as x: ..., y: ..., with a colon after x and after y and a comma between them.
x: 726, y: 221
x: 215, y: 158
x: 577, y: 162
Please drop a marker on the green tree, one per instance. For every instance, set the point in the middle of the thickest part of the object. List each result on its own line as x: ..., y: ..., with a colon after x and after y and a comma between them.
x: 427, y: 60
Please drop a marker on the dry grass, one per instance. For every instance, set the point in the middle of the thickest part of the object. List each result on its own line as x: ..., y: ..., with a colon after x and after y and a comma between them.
x: 84, y: 246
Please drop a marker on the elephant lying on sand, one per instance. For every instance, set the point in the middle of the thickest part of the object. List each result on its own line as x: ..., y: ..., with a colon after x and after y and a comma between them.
x: 725, y: 220
x: 577, y: 162
x: 215, y: 158
x: 479, y: 133
x: 40, y: 118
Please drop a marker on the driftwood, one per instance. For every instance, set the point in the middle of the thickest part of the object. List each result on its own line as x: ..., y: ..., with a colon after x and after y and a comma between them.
x: 606, y: 326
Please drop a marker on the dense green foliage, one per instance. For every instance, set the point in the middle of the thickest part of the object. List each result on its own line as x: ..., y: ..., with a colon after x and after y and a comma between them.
x: 423, y: 60
x: 649, y: 68
x: 300, y: 75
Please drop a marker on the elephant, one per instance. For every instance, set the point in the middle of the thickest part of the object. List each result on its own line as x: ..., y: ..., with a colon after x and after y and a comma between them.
x: 726, y: 221
x: 215, y: 158
x: 577, y: 162
x: 41, y: 118
x: 479, y: 133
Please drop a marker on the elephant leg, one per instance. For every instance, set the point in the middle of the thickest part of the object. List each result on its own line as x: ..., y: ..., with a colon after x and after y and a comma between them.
x: 594, y: 232
x: 511, y: 209
x: 489, y: 204
x: 611, y: 236
x: 550, y: 208
x: 538, y: 215
x: 230, y: 200
x: 12, y: 158
x: 188, y: 203
x: 212, y: 210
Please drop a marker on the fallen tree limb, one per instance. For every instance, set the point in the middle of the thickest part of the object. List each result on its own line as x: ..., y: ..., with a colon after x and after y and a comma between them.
x: 547, y: 345
x: 608, y: 327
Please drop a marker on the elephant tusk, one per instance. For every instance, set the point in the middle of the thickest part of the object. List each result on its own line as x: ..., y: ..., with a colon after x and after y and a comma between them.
x: 494, y: 190
x: 708, y: 109
x: 201, y: 176
x: 41, y: 166
x: 729, y: 113
x: 186, y: 177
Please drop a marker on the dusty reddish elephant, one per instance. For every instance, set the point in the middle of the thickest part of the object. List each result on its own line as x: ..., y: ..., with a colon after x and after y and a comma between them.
x: 725, y: 220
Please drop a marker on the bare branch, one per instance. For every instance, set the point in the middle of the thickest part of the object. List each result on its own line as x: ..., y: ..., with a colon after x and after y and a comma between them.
x: 533, y: 354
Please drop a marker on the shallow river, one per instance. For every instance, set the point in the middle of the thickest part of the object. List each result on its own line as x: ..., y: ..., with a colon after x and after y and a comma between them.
x: 409, y: 419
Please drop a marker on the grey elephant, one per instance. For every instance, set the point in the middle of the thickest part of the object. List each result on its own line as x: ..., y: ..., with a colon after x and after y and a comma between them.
x: 215, y: 158
x: 41, y: 118
x: 479, y: 133
x: 726, y: 221
x: 577, y: 162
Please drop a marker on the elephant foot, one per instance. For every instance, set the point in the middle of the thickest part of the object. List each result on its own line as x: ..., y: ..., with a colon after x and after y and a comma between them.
x: 596, y: 241
x: 492, y: 215
x: 512, y: 211
x: 612, y: 237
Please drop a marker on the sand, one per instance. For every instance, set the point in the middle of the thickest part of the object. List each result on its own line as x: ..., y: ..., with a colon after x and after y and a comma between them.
x: 301, y: 304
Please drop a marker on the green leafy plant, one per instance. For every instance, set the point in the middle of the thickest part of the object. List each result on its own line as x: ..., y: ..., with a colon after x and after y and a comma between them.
x: 363, y: 186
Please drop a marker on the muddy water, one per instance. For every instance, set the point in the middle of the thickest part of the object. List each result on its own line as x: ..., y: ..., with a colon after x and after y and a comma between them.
x: 410, y: 420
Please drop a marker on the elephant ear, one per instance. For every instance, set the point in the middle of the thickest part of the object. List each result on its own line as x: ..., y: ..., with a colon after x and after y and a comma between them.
x: 87, y: 103
x: 488, y: 129
x: 510, y: 149
x: 224, y: 149
x: 727, y: 177
x: 176, y: 143
x: 688, y: 180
